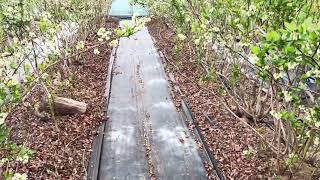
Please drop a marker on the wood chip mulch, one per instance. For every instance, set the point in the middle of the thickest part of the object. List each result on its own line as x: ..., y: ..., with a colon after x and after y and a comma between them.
x: 227, y: 137
x: 64, y: 153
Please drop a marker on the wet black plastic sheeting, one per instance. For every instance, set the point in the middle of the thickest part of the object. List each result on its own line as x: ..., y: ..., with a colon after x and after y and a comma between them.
x: 142, y: 115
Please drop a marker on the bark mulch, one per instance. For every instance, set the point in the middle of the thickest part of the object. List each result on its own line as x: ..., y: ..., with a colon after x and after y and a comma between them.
x: 227, y: 137
x: 64, y: 153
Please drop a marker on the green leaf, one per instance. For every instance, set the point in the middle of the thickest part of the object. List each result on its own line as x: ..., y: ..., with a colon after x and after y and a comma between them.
x: 255, y: 50
x: 24, y: 154
x: 8, y: 174
x: 307, y: 24
x: 4, y: 134
x: 290, y: 26
x: 13, y: 65
x: 273, y: 36
x: 289, y: 49
x: 313, y: 36
x: 27, y: 68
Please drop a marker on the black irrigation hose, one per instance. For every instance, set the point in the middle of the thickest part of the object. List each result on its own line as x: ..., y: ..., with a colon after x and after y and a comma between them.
x: 206, y: 146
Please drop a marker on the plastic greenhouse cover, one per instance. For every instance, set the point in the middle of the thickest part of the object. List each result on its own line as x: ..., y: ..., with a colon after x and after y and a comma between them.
x: 124, y: 9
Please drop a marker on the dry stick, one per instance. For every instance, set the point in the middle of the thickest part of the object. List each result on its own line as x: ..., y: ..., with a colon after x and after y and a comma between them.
x: 233, y: 99
x: 274, y: 149
x: 19, y: 65
x: 313, y: 173
x: 235, y: 94
x: 73, y: 140
x: 83, y: 164
x: 193, y: 11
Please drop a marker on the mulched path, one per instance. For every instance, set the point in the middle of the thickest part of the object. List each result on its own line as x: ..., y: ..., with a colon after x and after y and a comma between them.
x: 228, y: 139
x: 64, y: 153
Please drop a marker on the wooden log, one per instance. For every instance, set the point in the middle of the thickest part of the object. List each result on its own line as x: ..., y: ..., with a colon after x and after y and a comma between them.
x: 64, y: 106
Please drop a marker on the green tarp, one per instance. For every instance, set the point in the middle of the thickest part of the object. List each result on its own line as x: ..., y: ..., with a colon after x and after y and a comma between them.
x: 124, y: 9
